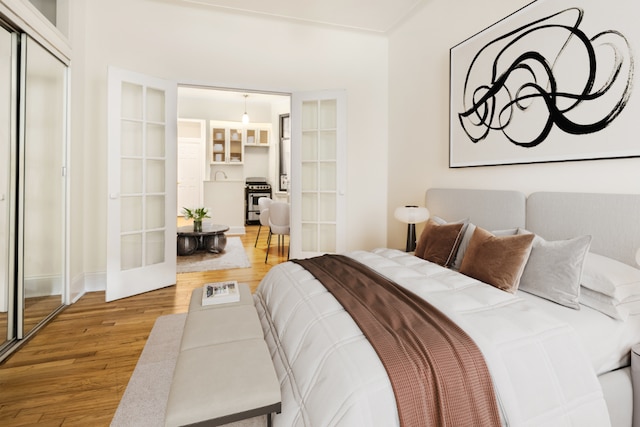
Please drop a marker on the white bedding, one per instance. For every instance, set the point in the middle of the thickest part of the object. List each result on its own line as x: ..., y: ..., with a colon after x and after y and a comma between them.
x: 331, y: 375
x: 607, y: 341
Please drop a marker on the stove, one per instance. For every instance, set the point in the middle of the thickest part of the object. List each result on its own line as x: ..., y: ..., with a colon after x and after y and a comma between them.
x: 254, y: 188
x: 257, y: 183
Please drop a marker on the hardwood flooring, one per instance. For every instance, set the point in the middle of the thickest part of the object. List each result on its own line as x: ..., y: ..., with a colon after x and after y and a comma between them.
x: 75, y: 370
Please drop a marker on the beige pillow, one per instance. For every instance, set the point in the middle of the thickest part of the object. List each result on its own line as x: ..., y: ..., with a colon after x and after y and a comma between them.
x: 438, y: 243
x: 497, y: 260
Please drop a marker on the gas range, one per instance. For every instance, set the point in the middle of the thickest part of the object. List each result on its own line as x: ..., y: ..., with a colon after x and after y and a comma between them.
x: 257, y: 183
x: 255, y: 188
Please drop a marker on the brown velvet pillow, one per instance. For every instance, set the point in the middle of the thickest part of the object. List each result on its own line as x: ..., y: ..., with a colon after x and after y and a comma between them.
x: 497, y: 260
x: 438, y: 243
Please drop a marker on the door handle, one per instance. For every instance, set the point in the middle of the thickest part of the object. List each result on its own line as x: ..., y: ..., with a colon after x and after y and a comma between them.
x: 114, y: 196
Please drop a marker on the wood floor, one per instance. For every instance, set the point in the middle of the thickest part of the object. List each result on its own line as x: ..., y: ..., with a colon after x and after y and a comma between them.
x: 75, y: 370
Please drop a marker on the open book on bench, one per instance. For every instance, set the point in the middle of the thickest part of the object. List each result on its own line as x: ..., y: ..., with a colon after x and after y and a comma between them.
x: 220, y: 292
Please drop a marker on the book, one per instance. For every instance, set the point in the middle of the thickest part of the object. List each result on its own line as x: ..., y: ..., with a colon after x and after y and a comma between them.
x: 220, y: 292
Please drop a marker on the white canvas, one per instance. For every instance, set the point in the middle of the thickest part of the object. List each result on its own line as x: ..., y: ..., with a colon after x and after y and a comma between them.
x: 551, y: 82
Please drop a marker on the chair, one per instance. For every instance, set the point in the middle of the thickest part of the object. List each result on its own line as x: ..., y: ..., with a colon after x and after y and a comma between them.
x: 278, y: 224
x: 263, y: 207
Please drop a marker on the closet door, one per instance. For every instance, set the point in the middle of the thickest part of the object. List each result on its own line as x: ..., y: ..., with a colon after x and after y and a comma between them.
x: 318, y: 178
x: 8, y: 90
x: 41, y: 188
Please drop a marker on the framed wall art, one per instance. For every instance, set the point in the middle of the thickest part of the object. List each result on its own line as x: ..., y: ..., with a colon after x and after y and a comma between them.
x: 555, y: 81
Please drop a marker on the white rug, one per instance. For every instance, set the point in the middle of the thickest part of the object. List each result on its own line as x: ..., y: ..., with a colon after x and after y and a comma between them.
x: 233, y: 256
x: 145, y: 399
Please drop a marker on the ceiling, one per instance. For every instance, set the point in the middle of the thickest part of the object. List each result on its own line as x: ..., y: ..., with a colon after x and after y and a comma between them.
x: 378, y: 16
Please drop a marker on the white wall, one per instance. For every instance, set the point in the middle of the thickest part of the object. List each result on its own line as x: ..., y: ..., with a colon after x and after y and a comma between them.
x: 419, y: 118
x: 258, y: 161
x: 190, y: 43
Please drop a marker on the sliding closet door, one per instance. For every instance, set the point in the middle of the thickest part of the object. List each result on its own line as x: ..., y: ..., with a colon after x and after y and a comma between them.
x: 8, y: 67
x: 41, y: 215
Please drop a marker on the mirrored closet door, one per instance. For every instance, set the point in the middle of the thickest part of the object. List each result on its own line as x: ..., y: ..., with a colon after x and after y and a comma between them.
x: 42, y: 195
x: 7, y: 201
x: 33, y: 105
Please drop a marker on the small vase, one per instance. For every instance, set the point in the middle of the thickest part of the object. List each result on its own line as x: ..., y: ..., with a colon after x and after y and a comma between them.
x: 197, y: 226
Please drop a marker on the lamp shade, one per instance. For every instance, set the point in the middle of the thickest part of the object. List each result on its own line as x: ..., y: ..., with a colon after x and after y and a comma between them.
x: 411, y: 214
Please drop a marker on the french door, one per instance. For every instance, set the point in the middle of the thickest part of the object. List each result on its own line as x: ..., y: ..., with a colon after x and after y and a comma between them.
x: 141, y: 224
x: 318, y: 173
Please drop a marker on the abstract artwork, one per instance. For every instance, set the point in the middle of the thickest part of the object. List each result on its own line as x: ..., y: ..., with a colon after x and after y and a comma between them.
x: 552, y: 82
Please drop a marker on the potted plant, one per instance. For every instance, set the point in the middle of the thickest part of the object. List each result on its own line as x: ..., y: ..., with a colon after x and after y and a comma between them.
x: 197, y: 214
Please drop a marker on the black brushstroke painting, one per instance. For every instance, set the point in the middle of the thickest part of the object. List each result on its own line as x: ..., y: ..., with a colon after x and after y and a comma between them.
x: 576, y: 83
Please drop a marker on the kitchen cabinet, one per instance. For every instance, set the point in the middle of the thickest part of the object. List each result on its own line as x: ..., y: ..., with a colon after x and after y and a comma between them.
x: 227, y: 143
x: 257, y: 136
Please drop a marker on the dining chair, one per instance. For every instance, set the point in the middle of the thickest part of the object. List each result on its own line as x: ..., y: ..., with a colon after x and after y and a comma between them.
x: 263, y: 207
x: 279, y: 217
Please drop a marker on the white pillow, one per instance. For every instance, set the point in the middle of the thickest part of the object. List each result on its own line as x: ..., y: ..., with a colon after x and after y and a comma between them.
x: 610, y: 277
x: 604, y: 304
x: 554, y: 269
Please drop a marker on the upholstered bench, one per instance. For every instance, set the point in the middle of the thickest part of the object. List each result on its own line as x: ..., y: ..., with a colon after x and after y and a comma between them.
x: 224, y: 372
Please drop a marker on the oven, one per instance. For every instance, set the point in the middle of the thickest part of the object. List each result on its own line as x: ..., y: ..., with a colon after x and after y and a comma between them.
x: 255, y: 187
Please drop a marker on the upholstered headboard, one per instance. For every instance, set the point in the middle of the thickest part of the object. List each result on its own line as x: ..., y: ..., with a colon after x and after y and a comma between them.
x: 489, y: 209
x: 613, y: 220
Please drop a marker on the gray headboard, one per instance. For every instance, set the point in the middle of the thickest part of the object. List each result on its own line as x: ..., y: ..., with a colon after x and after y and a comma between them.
x: 489, y: 209
x: 613, y: 220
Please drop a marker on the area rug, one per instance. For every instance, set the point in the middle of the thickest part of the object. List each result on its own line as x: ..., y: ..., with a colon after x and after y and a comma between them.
x: 145, y: 399
x: 233, y: 256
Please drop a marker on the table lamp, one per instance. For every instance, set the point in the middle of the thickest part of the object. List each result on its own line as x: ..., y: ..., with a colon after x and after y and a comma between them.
x: 411, y: 215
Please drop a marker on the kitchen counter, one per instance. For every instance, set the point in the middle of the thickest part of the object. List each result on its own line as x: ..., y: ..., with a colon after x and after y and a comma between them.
x: 225, y: 200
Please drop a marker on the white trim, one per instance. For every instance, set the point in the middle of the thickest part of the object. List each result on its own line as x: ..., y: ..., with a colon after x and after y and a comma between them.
x: 28, y: 18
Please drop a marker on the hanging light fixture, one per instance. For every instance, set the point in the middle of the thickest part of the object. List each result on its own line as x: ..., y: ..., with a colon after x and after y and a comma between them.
x: 245, y: 116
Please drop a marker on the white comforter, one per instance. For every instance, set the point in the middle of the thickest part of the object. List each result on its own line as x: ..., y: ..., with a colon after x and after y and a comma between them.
x: 331, y: 376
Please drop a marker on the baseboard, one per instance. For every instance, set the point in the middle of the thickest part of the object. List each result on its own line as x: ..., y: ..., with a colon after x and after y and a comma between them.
x: 236, y: 230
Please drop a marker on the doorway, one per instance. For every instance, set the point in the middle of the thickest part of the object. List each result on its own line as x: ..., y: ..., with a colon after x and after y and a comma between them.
x: 211, y: 105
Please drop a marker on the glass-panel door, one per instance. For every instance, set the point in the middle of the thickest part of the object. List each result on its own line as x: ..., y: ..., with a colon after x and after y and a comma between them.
x: 318, y: 149
x: 41, y: 216
x: 141, y: 225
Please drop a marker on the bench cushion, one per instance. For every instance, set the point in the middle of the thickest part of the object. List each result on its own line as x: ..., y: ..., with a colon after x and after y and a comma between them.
x: 223, y: 383
x: 207, y: 327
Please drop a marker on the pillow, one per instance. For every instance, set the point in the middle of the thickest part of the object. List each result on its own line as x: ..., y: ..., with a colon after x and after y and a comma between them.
x: 466, y: 238
x: 438, y: 243
x: 610, y: 277
x: 554, y: 270
x: 464, y: 244
x: 603, y: 304
x: 497, y: 260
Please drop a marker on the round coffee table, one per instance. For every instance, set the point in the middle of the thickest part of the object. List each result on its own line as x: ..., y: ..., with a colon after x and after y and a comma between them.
x: 211, y: 238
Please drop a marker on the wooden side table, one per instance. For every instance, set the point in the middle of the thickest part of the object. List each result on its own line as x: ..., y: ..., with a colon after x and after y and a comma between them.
x: 211, y: 238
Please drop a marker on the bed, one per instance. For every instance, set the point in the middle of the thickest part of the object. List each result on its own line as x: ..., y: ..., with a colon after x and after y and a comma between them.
x: 555, y: 356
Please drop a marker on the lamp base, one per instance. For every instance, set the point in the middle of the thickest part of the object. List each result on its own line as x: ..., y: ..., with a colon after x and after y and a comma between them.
x: 411, y: 238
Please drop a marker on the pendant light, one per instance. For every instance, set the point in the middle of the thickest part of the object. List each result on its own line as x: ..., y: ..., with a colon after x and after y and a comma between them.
x: 245, y: 116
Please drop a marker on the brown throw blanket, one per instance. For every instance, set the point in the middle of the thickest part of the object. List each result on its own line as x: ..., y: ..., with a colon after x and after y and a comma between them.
x: 438, y: 374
